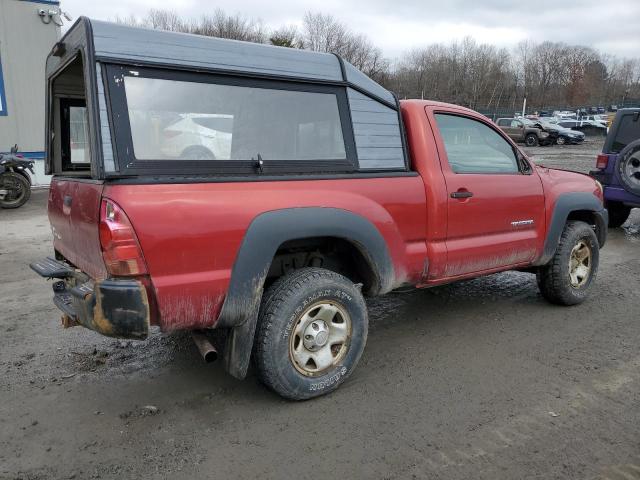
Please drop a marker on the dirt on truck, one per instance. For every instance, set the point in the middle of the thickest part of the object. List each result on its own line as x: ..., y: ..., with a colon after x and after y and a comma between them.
x: 293, y: 187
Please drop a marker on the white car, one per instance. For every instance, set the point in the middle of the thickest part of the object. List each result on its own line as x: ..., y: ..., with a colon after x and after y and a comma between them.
x: 198, y: 136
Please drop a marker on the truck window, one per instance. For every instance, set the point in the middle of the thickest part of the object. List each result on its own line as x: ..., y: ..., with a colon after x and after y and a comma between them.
x: 181, y: 120
x: 68, y: 150
x: 628, y: 131
x: 74, y: 126
x: 473, y: 147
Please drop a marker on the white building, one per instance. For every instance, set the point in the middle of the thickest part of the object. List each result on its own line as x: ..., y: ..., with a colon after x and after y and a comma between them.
x: 28, y: 31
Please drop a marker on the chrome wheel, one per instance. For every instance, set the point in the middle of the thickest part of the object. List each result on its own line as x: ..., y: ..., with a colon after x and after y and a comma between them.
x: 580, y: 264
x: 320, y: 338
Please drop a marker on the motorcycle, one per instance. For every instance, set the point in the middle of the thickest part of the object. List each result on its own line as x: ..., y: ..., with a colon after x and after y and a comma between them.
x: 15, y: 182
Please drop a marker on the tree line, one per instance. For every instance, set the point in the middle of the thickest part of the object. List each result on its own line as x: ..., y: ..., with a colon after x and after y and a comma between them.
x: 476, y: 75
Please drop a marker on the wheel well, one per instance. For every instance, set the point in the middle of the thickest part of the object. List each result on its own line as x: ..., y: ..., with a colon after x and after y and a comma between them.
x: 590, y: 218
x: 333, y: 253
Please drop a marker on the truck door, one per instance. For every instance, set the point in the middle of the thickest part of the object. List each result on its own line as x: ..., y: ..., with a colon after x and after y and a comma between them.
x: 496, y: 202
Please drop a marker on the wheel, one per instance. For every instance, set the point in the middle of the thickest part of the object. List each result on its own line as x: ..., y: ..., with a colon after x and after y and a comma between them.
x: 618, y: 213
x: 628, y: 166
x: 312, y: 329
x: 568, y: 277
x: 197, y: 152
x: 18, y: 187
x: 561, y: 140
x: 531, y: 140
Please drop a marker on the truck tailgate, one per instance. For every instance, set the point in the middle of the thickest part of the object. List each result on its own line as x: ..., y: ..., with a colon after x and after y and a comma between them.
x: 74, y: 214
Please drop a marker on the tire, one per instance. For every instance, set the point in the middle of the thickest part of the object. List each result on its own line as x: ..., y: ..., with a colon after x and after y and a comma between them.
x: 12, y: 180
x: 531, y: 140
x: 286, y: 334
x: 628, y: 167
x: 555, y: 281
x: 561, y: 140
x: 618, y: 213
x: 197, y: 152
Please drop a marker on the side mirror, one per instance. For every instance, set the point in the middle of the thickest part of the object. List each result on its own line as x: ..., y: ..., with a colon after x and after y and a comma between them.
x: 525, y: 166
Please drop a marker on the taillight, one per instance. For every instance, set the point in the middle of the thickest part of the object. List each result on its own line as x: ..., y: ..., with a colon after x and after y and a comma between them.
x: 120, y: 248
x: 602, y: 161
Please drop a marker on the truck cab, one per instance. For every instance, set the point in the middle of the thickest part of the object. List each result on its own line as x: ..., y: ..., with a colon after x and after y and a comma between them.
x: 294, y: 187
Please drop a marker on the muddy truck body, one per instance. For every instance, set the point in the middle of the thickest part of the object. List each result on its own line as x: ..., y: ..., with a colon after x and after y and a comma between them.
x: 264, y: 192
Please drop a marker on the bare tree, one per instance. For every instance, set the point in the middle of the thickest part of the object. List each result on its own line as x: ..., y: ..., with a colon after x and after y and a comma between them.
x: 235, y: 27
x: 467, y: 73
x: 287, y: 36
x: 324, y: 33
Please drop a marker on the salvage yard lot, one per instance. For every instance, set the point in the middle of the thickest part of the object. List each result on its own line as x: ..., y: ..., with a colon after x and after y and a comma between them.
x: 481, y: 379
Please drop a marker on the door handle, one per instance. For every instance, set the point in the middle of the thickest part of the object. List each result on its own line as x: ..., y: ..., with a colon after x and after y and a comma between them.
x: 461, y: 194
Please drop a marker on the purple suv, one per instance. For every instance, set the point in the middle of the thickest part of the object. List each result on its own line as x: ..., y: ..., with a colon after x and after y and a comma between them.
x: 618, y: 166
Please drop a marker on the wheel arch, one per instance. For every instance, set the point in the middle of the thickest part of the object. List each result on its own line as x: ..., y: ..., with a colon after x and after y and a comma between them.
x: 264, y: 237
x: 581, y: 206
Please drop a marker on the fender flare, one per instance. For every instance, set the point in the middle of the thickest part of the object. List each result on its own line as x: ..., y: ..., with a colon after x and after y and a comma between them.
x: 262, y: 239
x: 565, y: 204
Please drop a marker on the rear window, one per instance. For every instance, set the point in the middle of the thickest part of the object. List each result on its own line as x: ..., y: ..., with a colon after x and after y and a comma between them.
x: 628, y: 130
x: 232, y: 124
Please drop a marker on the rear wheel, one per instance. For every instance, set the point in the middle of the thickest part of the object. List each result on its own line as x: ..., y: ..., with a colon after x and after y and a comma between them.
x: 531, y: 140
x: 629, y: 167
x: 568, y: 277
x: 618, y: 213
x: 311, y: 332
x: 18, y: 190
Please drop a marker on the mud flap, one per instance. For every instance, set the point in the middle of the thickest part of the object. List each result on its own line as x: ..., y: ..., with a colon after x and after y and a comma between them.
x: 237, y: 352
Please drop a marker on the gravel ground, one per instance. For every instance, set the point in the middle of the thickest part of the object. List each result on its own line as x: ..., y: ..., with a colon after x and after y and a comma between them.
x: 481, y: 379
x: 578, y: 158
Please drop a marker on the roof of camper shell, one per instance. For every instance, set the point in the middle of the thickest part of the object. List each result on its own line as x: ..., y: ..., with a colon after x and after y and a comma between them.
x: 118, y: 42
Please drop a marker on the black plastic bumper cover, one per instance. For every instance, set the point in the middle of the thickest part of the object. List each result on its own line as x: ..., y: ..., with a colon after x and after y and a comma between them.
x: 116, y: 308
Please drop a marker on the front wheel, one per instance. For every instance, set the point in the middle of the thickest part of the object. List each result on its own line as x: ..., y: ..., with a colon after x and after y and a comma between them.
x: 531, y: 140
x: 569, y: 276
x: 561, y: 141
x: 311, y: 332
x: 17, y: 188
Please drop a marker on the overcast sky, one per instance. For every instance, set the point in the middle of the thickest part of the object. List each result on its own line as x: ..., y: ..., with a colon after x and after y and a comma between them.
x: 612, y: 26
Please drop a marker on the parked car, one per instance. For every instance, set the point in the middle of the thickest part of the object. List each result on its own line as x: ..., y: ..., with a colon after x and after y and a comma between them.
x: 198, y: 137
x: 559, y: 135
x: 602, y: 119
x: 613, y: 108
x: 321, y: 203
x: 601, y: 110
x: 520, y: 130
x: 588, y: 127
x: 618, y: 166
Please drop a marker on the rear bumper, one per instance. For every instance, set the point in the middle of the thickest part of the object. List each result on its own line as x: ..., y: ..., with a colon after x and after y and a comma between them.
x: 116, y: 308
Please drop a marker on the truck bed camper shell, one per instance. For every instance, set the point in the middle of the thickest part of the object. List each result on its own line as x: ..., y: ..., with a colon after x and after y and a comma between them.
x: 92, y: 64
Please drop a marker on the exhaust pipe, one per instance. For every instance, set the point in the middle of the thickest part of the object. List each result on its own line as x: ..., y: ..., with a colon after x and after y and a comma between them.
x: 207, y: 350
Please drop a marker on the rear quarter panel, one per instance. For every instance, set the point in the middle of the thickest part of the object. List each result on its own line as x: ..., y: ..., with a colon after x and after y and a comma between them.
x: 190, y: 233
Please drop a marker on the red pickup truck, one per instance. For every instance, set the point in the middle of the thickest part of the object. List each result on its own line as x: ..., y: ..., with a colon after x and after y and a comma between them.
x: 202, y: 183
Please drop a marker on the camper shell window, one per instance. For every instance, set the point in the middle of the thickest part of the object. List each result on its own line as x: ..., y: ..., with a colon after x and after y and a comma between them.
x: 68, y: 120
x: 181, y: 122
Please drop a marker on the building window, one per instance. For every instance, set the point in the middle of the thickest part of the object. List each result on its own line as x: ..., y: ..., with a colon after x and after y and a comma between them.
x: 3, y: 99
